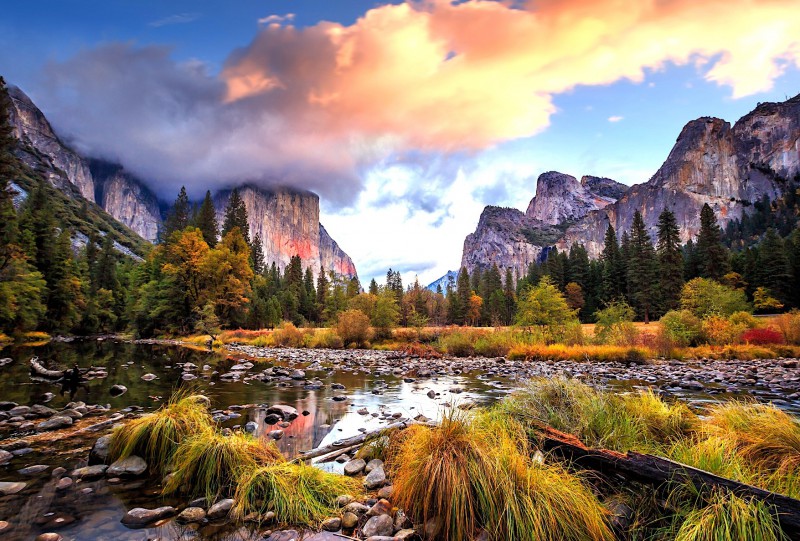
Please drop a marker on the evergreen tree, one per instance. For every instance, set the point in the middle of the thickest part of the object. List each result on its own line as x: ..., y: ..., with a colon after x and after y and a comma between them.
x: 774, y: 268
x: 373, y: 287
x: 642, y: 270
x: 711, y: 253
x: 65, y: 299
x: 613, y: 269
x: 510, y: 298
x: 106, y: 269
x: 670, y: 260
x: 691, y: 263
x: 206, y: 221
x: 554, y: 268
x: 256, y: 255
x: 236, y: 216
x: 625, y: 257
x: 178, y: 217
x: 9, y: 168
x: 322, y: 291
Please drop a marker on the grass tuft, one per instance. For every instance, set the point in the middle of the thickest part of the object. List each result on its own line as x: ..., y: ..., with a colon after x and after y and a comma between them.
x: 729, y: 517
x: 296, y: 493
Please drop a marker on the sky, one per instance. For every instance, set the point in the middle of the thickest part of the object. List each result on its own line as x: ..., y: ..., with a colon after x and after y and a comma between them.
x: 407, y: 118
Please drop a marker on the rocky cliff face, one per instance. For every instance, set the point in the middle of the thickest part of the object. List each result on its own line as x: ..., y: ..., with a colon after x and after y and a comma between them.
x: 127, y: 199
x: 63, y: 166
x: 563, y: 199
x: 288, y: 223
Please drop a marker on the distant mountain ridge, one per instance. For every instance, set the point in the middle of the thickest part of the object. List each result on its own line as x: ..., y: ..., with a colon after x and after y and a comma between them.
x: 727, y: 167
x: 286, y: 220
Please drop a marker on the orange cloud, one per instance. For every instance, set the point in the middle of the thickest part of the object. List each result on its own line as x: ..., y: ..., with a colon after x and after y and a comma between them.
x: 443, y: 76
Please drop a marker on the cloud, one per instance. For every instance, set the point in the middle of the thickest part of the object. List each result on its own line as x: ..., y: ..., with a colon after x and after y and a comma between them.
x: 276, y: 19
x: 315, y: 107
x: 615, y: 118
x: 179, y: 18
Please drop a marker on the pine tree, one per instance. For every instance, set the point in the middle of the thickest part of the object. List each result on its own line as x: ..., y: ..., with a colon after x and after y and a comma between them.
x: 554, y: 268
x: 9, y: 168
x: 711, y: 253
x: 510, y: 298
x: 642, y: 270
x: 774, y: 269
x: 578, y: 268
x: 256, y: 255
x: 373, y: 287
x: 670, y: 260
x: 236, y: 216
x: 322, y: 291
x: 613, y: 270
x: 206, y: 221
x: 178, y: 217
x: 691, y: 263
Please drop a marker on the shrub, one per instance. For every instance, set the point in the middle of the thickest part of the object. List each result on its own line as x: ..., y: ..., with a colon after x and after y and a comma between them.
x: 207, y: 464
x: 762, y: 337
x: 458, y: 343
x: 353, y: 327
x: 704, y: 297
x: 155, y: 437
x: 681, y: 327
x: 561, y: 352
x: 789, y: 325
x: 615, y: 324
x: 287, y: 335
x: 494, y: 344
x: 719, y: 331
x: 296, y: 493
x: 744, y: 319
x: 326, y: 339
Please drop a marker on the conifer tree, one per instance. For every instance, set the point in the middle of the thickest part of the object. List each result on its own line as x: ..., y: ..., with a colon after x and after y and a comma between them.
x: 711, y: 253
x: 373, y: 287
x: 206, y: 220
x: 322, y: 291
x: 256, y: 255
x: 510, y: 298
x: 670, y: 260
x: 691, y: 263
x: 642, y: 270
x: 774, y: 269
x: 236, y: 216
x: 613, y: 268
x: 178, y: 217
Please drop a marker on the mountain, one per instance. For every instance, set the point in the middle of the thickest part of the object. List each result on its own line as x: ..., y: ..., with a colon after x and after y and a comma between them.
x: 728, y: 167
x: 512, y: 239
x: 287, y: 220
x: 442, y: 282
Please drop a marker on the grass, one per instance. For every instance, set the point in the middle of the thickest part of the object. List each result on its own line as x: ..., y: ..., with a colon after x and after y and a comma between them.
x: 155, y: 437
x: 580, y: 353
x: 475, y: 471
x: 208, y: 464
x: 639, y: 421
x: 728, y: 517
x: 296, y: 493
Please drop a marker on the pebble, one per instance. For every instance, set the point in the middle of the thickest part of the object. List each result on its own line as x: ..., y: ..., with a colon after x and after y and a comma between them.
x: 11, y: 487
x: 139, y: 517
x: 132, y: 466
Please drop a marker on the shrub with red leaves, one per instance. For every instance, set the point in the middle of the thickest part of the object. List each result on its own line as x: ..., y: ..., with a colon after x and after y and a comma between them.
x: 762, y: 337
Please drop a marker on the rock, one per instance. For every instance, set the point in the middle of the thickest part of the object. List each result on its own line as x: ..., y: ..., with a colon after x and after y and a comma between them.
x: 431, y: 394
x: 287, y: 413
x: 354, y: 467
x: 90, y: 472
x: 363, y: 411
x: 275, y: 434
x: 339, y: 398
x: 220, y: 509
x: 372, y: 464
x: 99, y: 452
x: 5, y: 457
x: 50, y: 536
x: 8, y: 488
x: 149, y: 377
x: 55, y: 422
x: 131, y: 466
x: 381, y: 507
x: 42, y: 411
x: 349, y: 521
x: 192, y: 514
x: 401, y: 521
x: 375, y: 479
x: 407, y: 533
x: 139, y: 517
x: 385, y: 492
x: 380, y: 525
x: 250, y: 427
x: 33, y: 470
x: 272, y: 419
x: 58, y: 472
x: 381, y: 538
x: 356, y: 508
x: 4, y: 525
x: 332, y: 524
x: 64, y: 483
x: 117, y: 390
x: 343, y: 500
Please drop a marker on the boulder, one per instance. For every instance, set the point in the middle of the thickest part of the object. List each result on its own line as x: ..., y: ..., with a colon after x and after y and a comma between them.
x: 131, y: 466
x: 349, y: 521
x: 5, y: 457
x: 117, y: 390
x: 287, y: 413
x: 220, y: 509
x: 139, y: 517
x: 380, y: 525
x: 8, y: 488
x: 192, y: 514
x: 372, y: 464
x: 375, y: 479
x: 333, y: 524
x: 381, y: 507
x: 90, y: 472
x: 99, y: 452
x: 55, y: 422
x: 354, y: 467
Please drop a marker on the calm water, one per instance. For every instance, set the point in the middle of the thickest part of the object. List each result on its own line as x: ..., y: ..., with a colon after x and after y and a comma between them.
x: 84, y: 515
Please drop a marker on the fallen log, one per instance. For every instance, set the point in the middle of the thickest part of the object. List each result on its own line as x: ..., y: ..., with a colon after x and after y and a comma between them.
x: 39, y: 369
x: 656, y: 471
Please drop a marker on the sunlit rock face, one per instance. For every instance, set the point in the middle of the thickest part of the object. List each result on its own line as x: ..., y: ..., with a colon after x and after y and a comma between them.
x: 63, y: 166
x: 127, y: 199
x: 562, y: 198
x: 287, y: 221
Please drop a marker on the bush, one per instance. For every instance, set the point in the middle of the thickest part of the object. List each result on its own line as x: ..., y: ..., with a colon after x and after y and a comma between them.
x: 744, y: 319
x: 615, y: 324
x: 681, y: 327
x: 789, y: 325
x: 719, y: 331
x: 458, y: 343
x: 353, y: 327
x: 762, y: 337
x: 287, y: 335
x: 704, y: 297
x: 561, y: 352
x: 326, y: 339
x: 494, y: 344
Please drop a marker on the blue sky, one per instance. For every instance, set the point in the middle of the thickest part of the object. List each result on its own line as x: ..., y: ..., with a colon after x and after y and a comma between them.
x: 395, y: 192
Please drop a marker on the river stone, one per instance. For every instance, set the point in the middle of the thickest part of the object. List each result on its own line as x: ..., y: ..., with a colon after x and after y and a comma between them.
x: 431, y: 394
x: 90, y: 472
x: 354, y: 467
x: 58, y: 472
x: 33, y: 470
x: 5, y: 405
x: 272, y: 419
x: 250, y: 427
x: 99, y: 452
x: 139, y: 517
x: 64, y: 483
x: 343, y: 500
x: 385, y: 492
x: 372, y: 464
x: 220, y: 509
x: 5, y: 457
x: 4, y: 525
x: 55, y: 422
x: 381, y: 507
x: 117, y: 390
x: 42, y: 411
x: 375, y: 479
x: 192, y: 514
x: 275, y: 434
x: 407, y: 533
x: 349, y: 521
x: 356, y: 508
x: 8, y: 488
x: 149, y: 377
x: 49, y: 536
x: 287, y: 413
x: 131, y: 466
x: 380, y: 525
x: 332, y: 524
x: 19, y: 410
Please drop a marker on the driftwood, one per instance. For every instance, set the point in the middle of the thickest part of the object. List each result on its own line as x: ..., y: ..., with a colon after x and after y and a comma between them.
x: 39, y: 369
x: 354, y: 441
x: 654, y: 470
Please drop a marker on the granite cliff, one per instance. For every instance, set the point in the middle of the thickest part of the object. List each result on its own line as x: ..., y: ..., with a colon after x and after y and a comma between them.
x: 728, y: 167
